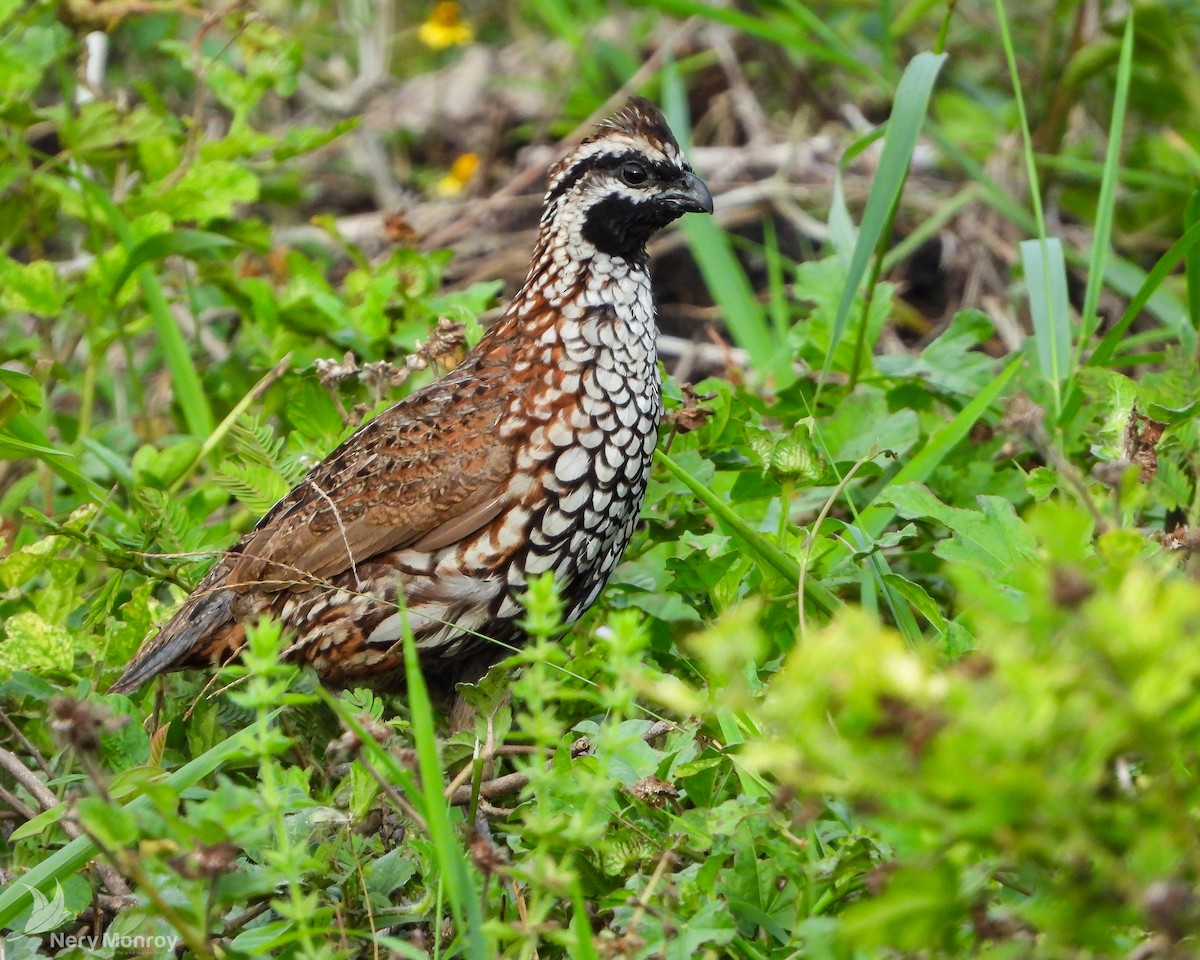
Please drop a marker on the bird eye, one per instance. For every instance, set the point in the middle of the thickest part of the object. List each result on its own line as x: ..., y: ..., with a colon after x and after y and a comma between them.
x: 634, y: 173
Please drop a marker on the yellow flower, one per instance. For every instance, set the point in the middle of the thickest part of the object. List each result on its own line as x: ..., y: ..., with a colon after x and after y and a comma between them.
x: 445, y: 27
x: 461, y: 171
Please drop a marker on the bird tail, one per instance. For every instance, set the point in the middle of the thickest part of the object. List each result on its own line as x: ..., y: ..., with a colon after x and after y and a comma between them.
x: 174, y: 646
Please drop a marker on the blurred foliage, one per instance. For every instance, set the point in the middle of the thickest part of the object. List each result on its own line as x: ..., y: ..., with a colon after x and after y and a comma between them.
x: 988, y: 750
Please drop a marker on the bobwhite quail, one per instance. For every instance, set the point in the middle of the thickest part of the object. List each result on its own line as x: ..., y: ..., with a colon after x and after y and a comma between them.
x: 531, y: 456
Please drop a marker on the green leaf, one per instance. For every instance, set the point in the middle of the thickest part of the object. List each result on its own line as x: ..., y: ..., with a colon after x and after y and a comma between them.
x: 42, y: 822
x: 13, y: 449
x: 26, y: 390
x: 939, y: 445
x: 1105, y: 203
x: 186, y: 243
x: 1046, y: 278
x: 952, y: 362
x: 792, y: 457
x: 208, y: 190
x: 47, y: 914
x: 920, y: 599
x: 1141, y: 297
x: 114, y: 826
x: 1041, y: 482
x: 993, y: 538
x: 904, y: 126
x: 31, y: 287
x: 766, y: 552
x: 460, y: 884
x: 33, y: 644
x: 256, y: 941
x: 299, y: 140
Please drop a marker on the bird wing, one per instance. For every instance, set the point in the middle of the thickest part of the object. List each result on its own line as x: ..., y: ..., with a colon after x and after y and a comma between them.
x: 431, y: 470
x: 420, y: 476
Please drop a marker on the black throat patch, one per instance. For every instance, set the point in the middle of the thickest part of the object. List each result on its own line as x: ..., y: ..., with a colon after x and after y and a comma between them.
x: 620, y: 226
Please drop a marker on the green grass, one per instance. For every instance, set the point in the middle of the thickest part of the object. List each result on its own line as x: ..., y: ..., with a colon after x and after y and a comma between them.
x: 900, y: 661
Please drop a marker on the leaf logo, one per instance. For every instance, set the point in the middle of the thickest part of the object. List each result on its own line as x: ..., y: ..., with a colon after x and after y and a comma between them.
x: 46, y: 915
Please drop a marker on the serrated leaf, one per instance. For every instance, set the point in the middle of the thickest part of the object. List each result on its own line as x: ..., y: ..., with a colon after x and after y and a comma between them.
x: 35, y: 645
x: 993, y: 537
x: 953, y: 361
x: 488, y: 694
x: 31, y: 287
x: 208, y: 190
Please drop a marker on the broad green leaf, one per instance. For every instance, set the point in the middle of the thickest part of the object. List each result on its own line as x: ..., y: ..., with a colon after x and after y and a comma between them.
x: 993, y: 538
x: 876, y: 518
x: 30, y: 643
x: 23, y: 387
x: 207, y: 191
x: 187, y: 243
x: 31, y: 287
x: 42, y: 822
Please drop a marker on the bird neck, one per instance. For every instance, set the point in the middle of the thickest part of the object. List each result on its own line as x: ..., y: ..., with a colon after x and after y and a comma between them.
x: 592, y: 321
x: 568, y: 286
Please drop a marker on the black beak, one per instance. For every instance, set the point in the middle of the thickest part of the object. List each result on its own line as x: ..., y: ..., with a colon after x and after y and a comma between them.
x: 691, y: 196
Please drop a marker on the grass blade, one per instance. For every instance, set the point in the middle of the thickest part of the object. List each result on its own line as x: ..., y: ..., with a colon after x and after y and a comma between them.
x: 1191, y: 261
x: 1035, y: 193
x: 723, y: 274
x: 766, y: 553
x: 1120, y: 275
x: 161, y: 245
x: 28, y: 438
x: 464, y: 897
x: 730, y: 288
x: 1102, y: 235
x: 908, y: 116
x: 1049, y: 308
x: 1186, y: 245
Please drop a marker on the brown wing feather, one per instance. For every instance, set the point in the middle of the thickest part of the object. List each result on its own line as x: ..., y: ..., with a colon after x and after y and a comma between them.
x: 423, y: 474
x: 406, y: 479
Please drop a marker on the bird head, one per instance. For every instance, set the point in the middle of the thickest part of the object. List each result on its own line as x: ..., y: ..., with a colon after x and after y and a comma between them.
x: 624, y: 182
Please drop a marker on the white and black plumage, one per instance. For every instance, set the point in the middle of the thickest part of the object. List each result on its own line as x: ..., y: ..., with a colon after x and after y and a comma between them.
x: 531, y: 456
